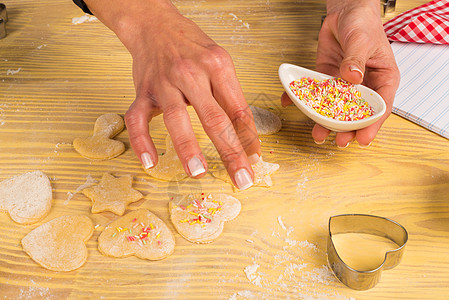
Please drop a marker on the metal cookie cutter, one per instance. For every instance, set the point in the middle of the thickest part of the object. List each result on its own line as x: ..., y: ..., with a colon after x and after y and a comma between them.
x: 369, y: 224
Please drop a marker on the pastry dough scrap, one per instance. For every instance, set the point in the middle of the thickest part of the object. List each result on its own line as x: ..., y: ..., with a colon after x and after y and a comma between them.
x: 27, y: 197
x: 101, y: 145
x: 60, y: 244
x: 112, y: 194
x: 139, y: 233
x: 201, y: 219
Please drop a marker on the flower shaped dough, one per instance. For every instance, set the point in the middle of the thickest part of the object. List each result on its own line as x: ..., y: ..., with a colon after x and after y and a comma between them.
x: 59, y: 245
x: 139, y: 233
x: 27, y: 197
x: 201, y: 220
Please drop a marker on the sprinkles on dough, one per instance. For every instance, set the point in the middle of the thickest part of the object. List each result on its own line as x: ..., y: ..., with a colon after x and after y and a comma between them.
x: 202, y: 212
x: 333, y: 98
x: 146, y: 233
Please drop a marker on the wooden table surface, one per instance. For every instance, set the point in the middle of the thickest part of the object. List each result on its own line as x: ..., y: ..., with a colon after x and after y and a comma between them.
x: 69, y: 74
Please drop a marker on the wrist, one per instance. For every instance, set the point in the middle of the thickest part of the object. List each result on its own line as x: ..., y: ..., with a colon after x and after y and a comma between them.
x: 337, y: 6
x: 130, y: 20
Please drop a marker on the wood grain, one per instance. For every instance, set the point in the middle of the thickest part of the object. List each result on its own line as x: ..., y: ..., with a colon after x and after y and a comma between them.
x: 71, y: 74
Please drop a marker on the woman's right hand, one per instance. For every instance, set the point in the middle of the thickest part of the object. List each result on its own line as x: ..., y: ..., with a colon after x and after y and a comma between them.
x: 176, y: 64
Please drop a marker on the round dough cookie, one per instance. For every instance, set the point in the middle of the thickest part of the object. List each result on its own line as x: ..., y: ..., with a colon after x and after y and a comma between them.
x: 27, y: 197
x: 201, y: 220
x: 139, y: 233
x: 60, y: 244
x: 266, y: 122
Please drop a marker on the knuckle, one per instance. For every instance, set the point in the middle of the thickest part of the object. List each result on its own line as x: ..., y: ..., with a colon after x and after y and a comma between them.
x: 213, y: 119
x: 217, y: 58
x: 242, y: 114
x: 184, y: 147
x: 230, y: 154
x: 132, y: 120
x: 174, y: 112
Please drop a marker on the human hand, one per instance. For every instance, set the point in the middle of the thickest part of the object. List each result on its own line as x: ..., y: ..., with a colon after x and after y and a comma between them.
x: 176, y: 64
x: 352, y: 45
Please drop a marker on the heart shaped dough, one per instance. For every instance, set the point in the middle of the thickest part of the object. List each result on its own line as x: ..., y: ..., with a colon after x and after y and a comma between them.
x: 59, y: 245
x: 27, y: 197
x: 101, y: 146
x: 201, y: 219
x: 139, y: 233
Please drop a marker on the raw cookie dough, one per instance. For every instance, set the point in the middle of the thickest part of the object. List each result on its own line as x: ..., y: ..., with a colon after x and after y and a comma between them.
x: 59, y: 245
x: 201, y: 219
x: 139, y: 233
x: 169, y: 166
x: 101, y: 145
x: 266, y: 122
x: 262, y: 173
x: 27, y: 197
x: 112, y: 194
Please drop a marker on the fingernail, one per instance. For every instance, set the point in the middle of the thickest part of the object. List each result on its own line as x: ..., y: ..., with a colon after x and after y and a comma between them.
x: 243, y: 180
x: 195, y: 166
x: 253, y: 159
x: 319, y: 142
x: 365, y: 146
x: 344, y: 146
x: 146, y: 160
x: 355, y: 69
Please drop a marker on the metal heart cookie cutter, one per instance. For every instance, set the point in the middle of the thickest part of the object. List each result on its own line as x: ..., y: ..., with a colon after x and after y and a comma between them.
x: 368, y: 224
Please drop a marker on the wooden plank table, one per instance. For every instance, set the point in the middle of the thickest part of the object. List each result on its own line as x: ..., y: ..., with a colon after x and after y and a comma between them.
x: 276, y: 249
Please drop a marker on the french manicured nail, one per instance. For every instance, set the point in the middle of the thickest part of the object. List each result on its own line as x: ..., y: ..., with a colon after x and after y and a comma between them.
x: 254, y: 158
x: 344, y: 146
x: 146, y: 160
x: 319, y: 142
x: 365, y: 146
x: 195, y: 166
x: 355, y: 69
x: 242, y: 179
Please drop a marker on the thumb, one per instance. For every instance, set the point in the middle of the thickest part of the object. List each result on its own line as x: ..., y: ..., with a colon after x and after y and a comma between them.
x: 355, y: 55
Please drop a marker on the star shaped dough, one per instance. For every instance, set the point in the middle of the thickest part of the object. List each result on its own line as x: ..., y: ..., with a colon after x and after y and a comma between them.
x: 262, y: 173
x: 112, y: 194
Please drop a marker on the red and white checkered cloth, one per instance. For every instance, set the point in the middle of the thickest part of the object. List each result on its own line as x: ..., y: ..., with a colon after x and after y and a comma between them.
x: 428, y: 23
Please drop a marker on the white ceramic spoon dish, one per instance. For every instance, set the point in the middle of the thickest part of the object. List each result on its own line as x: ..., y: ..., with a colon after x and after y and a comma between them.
x: 289, y: 73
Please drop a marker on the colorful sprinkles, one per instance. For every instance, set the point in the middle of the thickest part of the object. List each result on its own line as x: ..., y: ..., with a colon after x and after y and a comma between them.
x: 202, y: 212
x: 143, y: 235
x: 334, y: 98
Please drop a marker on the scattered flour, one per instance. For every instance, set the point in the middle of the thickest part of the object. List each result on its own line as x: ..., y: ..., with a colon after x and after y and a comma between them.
x: 235, y: 18
x: 244, y: 295
x: 296, y: 270
x: 2, y: 117
x: 89, y: 181
x: 12, y: 72
x: 82, y: 19
x: 252, y: 275
x: 41, y: 46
